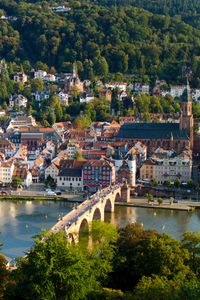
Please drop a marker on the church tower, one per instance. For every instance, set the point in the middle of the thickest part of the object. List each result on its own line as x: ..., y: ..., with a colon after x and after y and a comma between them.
x: 186, y: 117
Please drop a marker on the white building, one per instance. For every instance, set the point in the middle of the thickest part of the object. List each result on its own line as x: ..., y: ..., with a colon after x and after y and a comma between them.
x: 62, y: 8
x: 86, y: 98
x: 141, y: 88
x: 196, y: 95
x: 40, y: 74
x: 52, y: 170
x: 177, y: 90
x: 20, y: 77
x: 18, y: 100
x: 52, y: 148
x: 49, y: 78
x: 122, y: 95
x: 113, y: 85
x: 64, y: 98
x: 39, y: 96
x: 6, y: 171
x: 71, y: 150
x: 167, y: 166
x: 126, y: 169
x: 70, y: 179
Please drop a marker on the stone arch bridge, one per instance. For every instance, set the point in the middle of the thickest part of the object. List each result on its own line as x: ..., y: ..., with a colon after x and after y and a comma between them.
x: 92, y: 209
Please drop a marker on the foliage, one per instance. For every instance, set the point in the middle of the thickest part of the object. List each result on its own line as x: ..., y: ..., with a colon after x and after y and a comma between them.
x: 78, y: 155
x: 144, y: 253
x: 53, y: 270
x: 149, y: 197
x: 4, y: 276
x: 154, y: 182
x: 160, y: 287
x: 104, y: 237
x: 102, y: 38
x: 49, y: 181
x: 131, y: 264
x: 177, y: 182
x: 160, y: 201
x: 17, y: 181
x: 191, y: 242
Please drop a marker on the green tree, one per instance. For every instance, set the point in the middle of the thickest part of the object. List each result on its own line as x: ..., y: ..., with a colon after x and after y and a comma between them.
x: 177, y: 182
x: 53, y: 270
x: 149, y: 197
x: 154, y: 182
x: 191, y: 242
x: 101, y: 66
x: 17, y: 181
x: 104, y: 238
x: 160, y: 287
x: 160, y: 201
x: 78, y: 155
x: 144, y: 253
x: 4, y: 276
x: 49, y: 181
x: 37, y: 85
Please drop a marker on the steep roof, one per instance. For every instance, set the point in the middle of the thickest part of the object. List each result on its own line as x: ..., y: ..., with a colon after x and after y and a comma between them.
x: 151, y: 131
x: 70, y: 172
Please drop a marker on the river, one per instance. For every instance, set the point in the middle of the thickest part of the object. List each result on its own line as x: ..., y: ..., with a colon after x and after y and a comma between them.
x: 20, y: 221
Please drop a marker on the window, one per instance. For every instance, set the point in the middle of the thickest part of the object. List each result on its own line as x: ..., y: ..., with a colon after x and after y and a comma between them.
x: 73, y: 179
x: 79, y: 179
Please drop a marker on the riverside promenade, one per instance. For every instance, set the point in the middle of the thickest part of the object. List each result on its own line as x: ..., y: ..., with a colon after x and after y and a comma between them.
x: 183, y: 205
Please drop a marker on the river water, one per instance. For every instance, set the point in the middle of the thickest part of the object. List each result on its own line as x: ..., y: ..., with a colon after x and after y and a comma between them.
x: 20, y: 221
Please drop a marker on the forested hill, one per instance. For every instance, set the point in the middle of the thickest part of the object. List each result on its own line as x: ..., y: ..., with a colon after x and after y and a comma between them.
x: 166, y: 7
x: 123, y: 39
x: 186, y: 10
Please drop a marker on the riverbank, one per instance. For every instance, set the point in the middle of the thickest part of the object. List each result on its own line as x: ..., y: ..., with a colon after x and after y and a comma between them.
x: 69, y: 198
x: 181, y: 205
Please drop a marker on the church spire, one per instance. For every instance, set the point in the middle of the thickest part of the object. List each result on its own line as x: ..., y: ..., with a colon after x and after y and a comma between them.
x: 186, y: 96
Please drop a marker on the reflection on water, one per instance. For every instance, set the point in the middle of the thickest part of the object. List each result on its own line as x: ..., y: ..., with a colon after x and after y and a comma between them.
x: 172, y: 222
x: 21, y: 220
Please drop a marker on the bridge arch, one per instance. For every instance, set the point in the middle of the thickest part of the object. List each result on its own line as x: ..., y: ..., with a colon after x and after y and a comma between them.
x: 71, y: 239
x: 117, y: 197
x: 108, y: 206
x: 97, y: 214
x: 84, y: 227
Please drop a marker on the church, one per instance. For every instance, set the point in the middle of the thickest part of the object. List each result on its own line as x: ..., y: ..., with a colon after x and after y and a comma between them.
x: 176, y: 136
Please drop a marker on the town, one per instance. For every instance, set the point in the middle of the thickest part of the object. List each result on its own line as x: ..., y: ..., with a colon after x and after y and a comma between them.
x: 80, y: 155
x: 99, y: 150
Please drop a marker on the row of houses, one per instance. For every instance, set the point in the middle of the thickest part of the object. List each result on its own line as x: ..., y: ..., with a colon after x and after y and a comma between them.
x: 167, y: 166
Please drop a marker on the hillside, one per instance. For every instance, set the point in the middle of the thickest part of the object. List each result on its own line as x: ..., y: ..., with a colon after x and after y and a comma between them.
x: 124, y: 39
x: 187, y: 10
x: 165, y: 7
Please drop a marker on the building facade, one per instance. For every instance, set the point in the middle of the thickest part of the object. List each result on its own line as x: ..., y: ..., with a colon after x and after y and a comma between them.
x: 98, y: 174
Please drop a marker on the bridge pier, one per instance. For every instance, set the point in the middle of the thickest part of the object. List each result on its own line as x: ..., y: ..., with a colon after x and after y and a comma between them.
x: 125, y: 193
x: 80, y: 220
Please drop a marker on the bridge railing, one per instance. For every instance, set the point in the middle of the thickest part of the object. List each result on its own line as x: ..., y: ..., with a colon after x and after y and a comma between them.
x: 72, y: 217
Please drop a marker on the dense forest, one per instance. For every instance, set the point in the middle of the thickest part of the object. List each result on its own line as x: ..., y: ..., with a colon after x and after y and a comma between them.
x: 187, y: 10
x: 165, y: 7
x: 102, y: 39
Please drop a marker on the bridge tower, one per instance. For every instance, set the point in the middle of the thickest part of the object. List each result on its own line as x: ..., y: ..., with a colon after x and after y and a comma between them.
x: 125, y: 192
